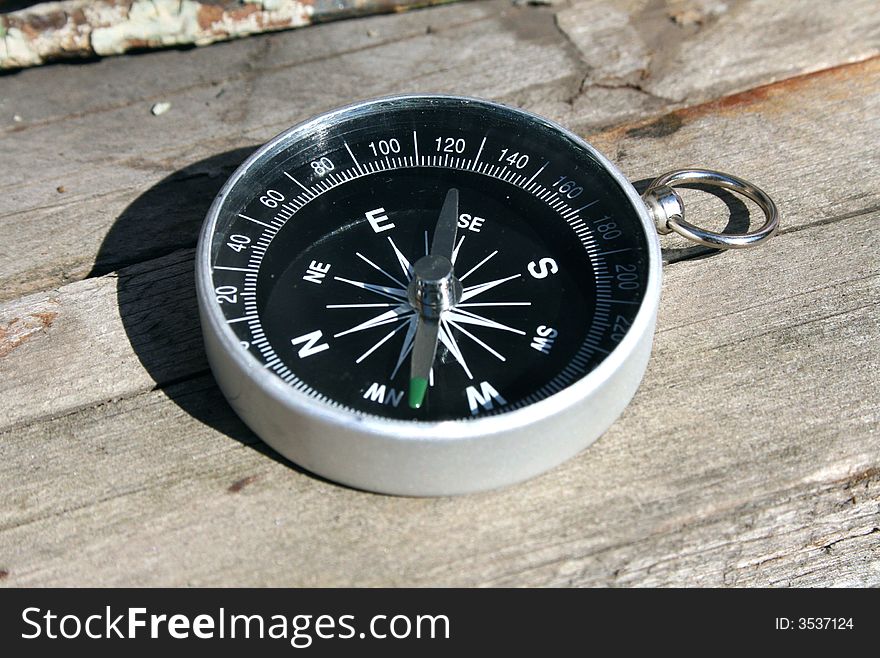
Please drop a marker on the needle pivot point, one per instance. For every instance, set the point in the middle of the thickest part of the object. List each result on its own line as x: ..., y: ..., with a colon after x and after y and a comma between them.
x: 434, y: 287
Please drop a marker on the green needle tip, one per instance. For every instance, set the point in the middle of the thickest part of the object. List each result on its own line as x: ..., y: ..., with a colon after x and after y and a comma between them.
x: 418, y: 386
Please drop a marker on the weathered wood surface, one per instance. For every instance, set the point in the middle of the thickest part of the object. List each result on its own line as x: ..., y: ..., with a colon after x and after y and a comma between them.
x: 750, y: 455
x: 94, y: 137
x: 71, y: 29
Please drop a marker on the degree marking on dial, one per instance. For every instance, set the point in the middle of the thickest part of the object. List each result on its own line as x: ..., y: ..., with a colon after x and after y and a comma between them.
x: 404, y: 263
x: 616, y: 251
x: 586, y: 238
x: 234, y: 269
x: 393, y: 293
x: 473, y: 291
x: 535, y: 175
x: 311, y: 194
x: 591, y: 203
x: 255, y: 221
x: 477, y: 266
x: 354, y: 159
x: 416, y: 146
x: 376, y: 267
x: 482, y: 144
x: 241, y: 319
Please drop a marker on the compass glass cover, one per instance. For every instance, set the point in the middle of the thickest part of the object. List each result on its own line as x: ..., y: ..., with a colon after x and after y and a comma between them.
x: 313, y: 249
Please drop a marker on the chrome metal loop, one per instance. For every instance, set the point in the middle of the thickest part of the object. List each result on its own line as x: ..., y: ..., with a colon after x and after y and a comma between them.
x: 668, y: 211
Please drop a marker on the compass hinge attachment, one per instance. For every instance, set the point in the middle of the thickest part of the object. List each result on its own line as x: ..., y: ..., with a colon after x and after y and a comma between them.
x: 664, y: 204
x: 667, y: 209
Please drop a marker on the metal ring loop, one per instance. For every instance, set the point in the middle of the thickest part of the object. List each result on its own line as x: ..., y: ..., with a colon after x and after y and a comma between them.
x: 677, y: 223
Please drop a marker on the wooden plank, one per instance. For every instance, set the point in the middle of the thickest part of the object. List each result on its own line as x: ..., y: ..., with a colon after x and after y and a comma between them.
x: 105, y: 159
x: 123, y: 335
x: 93, y: 136
x: 651, y: 56
x: 749, y: 456
x: 72, y: 29
x: 100, y: 338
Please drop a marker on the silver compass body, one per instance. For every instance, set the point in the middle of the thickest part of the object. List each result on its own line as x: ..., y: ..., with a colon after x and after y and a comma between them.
x: 429, y: 295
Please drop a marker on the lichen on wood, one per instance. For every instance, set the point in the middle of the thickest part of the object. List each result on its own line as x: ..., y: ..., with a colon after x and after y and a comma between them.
x: 86, y: 28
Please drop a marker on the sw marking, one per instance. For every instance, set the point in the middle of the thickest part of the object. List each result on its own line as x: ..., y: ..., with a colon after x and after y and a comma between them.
x: 543, y: 342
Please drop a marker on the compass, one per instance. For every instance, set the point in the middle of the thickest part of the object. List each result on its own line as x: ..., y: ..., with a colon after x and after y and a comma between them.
x: 430, y: 295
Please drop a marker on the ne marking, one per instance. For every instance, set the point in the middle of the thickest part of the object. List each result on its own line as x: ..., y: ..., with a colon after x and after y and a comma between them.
x: 591, y: 203
x: 241, y: 319
x: 255, y: 221
x: 416, y: 145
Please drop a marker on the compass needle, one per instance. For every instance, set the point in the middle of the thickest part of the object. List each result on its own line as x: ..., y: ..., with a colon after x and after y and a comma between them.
x: 357, y: 336
x: 433, y: 289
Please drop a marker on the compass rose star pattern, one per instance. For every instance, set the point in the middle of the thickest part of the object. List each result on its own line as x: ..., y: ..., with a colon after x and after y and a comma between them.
x: 403, y: 318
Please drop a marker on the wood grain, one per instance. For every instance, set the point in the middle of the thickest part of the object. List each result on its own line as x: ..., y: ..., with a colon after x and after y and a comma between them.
x: 748, y: 457
x: 137, y: 329
x: 654, y: 55
x: 92, y: 135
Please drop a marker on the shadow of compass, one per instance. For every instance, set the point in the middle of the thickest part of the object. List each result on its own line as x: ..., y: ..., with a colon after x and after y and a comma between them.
x: 151, y: 247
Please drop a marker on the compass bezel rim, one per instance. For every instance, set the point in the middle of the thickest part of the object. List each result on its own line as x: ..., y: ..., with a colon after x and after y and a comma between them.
x: 252, y: 370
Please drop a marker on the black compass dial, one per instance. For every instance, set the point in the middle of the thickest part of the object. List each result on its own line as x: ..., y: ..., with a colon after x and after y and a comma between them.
x: 322, y: 241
